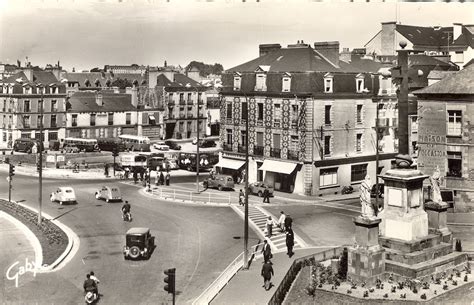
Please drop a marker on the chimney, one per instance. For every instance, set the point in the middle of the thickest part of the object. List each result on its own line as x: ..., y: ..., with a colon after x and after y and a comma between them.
x: 457, y: 30
x: 329, y: 49
x: 134, y: 94
x: 264, y: 49
x: 98, y: 99
x: 388, y: 37
x: 28, y: 71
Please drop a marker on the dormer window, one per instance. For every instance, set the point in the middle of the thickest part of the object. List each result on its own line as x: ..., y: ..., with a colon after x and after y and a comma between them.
x: 27, y: 90
x: 328, y: 83
x: 261, y: 78
x: 10, y: 89
x: 360, y: 83
x: 237, y: 81
x: 53, y: 90
x: 286, y: 83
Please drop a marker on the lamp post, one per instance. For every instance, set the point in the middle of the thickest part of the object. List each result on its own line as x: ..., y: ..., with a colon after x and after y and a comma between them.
x: 40, y: 155
x: 246, y: 212
x: 197, y: 143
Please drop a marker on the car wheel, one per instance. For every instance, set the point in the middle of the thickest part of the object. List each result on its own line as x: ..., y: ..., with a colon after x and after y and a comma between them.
x: 97, y: 196
x: 134, y: 252
x: 260, y: 194
x: 220, y: 187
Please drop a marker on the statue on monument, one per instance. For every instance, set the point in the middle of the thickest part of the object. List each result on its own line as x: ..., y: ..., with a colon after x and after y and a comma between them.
x: 435, y: 181
x: 367, y: 208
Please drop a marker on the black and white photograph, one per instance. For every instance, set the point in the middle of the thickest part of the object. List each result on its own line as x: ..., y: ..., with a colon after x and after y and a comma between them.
x: 234, y: 152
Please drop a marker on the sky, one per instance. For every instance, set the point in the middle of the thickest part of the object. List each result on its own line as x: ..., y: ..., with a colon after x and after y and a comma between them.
x: 92, y: 33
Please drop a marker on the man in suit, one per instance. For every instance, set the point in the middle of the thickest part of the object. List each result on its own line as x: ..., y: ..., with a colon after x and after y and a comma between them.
x: 267, y: 251
x: 288, y: 222
x: 267, y: 272
x: 290, y: 241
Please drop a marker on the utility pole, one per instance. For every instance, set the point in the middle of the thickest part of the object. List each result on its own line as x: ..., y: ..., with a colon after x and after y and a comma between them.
x: 40, y: 159
x: 403, y: 100
x: 246, y: 216
x: 197, y: 144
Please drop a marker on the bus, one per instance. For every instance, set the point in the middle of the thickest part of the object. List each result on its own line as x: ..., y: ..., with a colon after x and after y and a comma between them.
x: 135, y: 143
x: 188, y: 161
x: 83, y: 144
x: 110, y: 144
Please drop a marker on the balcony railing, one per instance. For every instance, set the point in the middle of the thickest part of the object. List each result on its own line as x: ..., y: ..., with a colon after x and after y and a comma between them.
x: 227, y: 147
x: 242, y: 149
x: 190, y: 115
x: 294, y: 124
x: 293, y: 155
x: 189, y: 102
x: 182, y: 102
x: 258, y: 150
x: 275, y: 152
x: 182, y: 115
x: 171, y: 102
x: 277, y: 124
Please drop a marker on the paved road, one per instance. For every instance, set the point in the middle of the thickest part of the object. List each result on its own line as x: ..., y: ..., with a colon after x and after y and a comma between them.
x: 199, y: 241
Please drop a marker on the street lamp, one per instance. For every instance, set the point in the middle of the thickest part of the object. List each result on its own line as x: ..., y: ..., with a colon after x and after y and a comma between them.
x: 246, y: 213
x: 40, y: 155
x: 197, y: 139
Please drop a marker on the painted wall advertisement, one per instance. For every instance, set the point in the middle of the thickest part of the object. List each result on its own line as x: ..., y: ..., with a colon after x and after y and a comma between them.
x: 432, y: 138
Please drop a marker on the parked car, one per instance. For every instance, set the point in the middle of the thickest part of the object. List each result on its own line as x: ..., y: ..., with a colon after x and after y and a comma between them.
x: 161, y: 146
x: 373, y: 191
x: 207, y: 143
x: 220, y: 182
x: 258, y: 187
x: 173, y: 145
x: 63, y: 194
x: 71, y: 148
x: 108, y: 193
x: 138, y: 243
x: 26, y: 145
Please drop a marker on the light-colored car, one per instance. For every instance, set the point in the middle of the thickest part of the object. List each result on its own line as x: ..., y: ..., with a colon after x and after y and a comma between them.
x: 161, y: 146
x: 63, y: 194
x: 259, y: 187
x: 108, y: 193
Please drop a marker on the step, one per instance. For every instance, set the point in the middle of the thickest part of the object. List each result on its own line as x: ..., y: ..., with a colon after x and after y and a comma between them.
x: 426, y: 269
x: 417, y: 257
x: 410, y: 246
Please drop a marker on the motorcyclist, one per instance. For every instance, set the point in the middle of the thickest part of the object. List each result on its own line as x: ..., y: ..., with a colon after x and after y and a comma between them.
x: 126, y: 210
x: 90, y: 286
x: 96, y: 280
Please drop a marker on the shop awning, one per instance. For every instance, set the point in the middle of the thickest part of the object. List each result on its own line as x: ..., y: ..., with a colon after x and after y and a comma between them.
x: 278, y: 166
x: 230, y: 163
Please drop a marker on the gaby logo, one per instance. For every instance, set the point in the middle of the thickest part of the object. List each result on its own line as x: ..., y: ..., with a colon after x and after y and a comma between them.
x: 15, y: 271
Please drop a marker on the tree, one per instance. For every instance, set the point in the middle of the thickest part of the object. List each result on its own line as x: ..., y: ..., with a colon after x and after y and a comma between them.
x: 95, y: 69
x: 121, y: 83
x: 205, y: 69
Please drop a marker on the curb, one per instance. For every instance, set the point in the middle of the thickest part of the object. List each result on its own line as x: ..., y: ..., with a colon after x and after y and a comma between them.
x: 461, y: 224
x: 72, y: 247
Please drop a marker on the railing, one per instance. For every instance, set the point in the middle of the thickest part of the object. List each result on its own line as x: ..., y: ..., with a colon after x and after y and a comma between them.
x: 258, y: 150
x: 210, y: 293
x: 242, y: 149
x: 189, y: 102
x: 227, y: 147
x: 190, y: 115
x: 282, y: 289
x: 182, y: 102
x: 293, y: 155
x: 205, y: 197
x: 294, y: 124
x: 171, y: 103
x: 275, y: 152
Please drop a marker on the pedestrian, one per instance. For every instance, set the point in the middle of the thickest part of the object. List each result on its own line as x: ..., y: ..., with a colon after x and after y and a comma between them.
x: 127, y: 173
x: 267, y: 272
x: 281, y: 221
x: 288, y: 222
x: 167, y: 178
x: 290, y: 242
x: 161, y: 179
x: 106, y: 170
x: 269, y: 224
x: 135, y: 176
x: 266, y: 196
x: 241, y: 197
x: 157, y: 176
x: 96, y: 280
x: 267, y: 251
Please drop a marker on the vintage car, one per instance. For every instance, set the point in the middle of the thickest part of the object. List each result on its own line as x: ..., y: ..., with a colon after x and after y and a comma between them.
x: 108, y: 193
x: 138, y: 243
x: 173, y: 145
x: 207, y: 143
x: 161, y: 146
x: 220, y: 182
x: 257, y: 188
x: 63, y: 194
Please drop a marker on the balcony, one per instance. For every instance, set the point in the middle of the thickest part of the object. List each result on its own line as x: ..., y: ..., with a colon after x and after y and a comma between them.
x: 275, y: 152
x: 189, y: 102
x: 182, y: 115
x: 182, y: 102
x: 170, y: 102
x: 293, y: 155
x: 258, y: 150
x: 242, y: 149
x: 227, y: 147
x: 190, y: 115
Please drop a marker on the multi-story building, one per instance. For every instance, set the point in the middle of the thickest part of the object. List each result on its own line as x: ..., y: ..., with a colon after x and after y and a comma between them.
x: 20, y: 106
x: 445, y: 133
x: 124, y: 69
x: 310, y: 119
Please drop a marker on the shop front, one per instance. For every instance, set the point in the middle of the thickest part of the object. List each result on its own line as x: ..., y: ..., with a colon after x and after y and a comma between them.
x: 232, y: 167
x: 281, y: 175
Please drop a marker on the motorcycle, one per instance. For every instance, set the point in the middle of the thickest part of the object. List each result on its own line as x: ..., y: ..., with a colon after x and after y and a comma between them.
x: 127, y: 216
x: 91, y: 298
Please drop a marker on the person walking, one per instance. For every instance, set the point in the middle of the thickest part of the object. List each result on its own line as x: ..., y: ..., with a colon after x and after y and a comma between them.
x: 157, y: 176
x: 241, y: 197
x: 267, y: 272
x: 267, y: 251
x: 269, y: 224
x: 288, y: 222
x: 162, y: 178
x: 290, y: 242
x: 266, y: 196
x: 281, y: 221
x: 106, y: 170
x: 96, y: 280
x: 167, y: 178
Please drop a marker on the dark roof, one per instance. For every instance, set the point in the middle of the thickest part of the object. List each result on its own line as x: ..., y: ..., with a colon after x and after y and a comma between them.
x: 44, y: 77
x: 461, y: 82
x: 82, y: 101
x: 289, y: 60
x: 466, y: 38
x: 102, y: 77
x: 426, y: 36
x: 439, y: 74
x: 362, y: 65
x: 180, y: 81
x: 425, y: 60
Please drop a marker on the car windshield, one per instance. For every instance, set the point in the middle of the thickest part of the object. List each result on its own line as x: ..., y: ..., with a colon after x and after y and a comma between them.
x: 135, y: 238
x: 68, y: 191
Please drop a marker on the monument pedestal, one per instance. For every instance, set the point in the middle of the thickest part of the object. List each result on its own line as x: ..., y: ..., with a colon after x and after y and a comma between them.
x: 366, y: 260
x: 437, y: 220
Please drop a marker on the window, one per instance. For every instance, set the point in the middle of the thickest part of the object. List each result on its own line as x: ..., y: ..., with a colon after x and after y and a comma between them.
x: 328, y: 84
x: 26, y: 106
x: 327, y: 145
x: 454, y: 164
x: 237, y: 81
x: 454, y: 123
x: 295, y: 143
x: 54, y: 90
x: 261, y: 82
x: 54, y: 106
x: 39, y: 121
x: 260, y: 111
x: 286, y: 84
x: 110, y: 118
x: 128, y: 118
x: 276, y: 141
x: 26, y: 121
x: 229, y: 110
x: 53, y: 136
x: 259, y: 138
x: 277, y: 115
x: 358, y: 172
x: 27, y: 90
x: 4, y: 105
x: 199, y: 97
x: 328, y: 176
x: 53, y: 121
x: 243, y: 137
x: 327, y: 114
x: 358, y: 142
x: 74, y: 120
x: 189, y: 97
x: 359, y: 114
x: 40, y: 104
x: 244, y: 110
x: 181, y: 97
x: 360, y: 85
x: 181, y: 126
x: 93, y: 119
x: 229, y: 136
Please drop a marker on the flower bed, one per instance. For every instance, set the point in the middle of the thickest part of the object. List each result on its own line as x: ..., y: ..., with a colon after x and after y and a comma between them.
x: 52, y: 239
